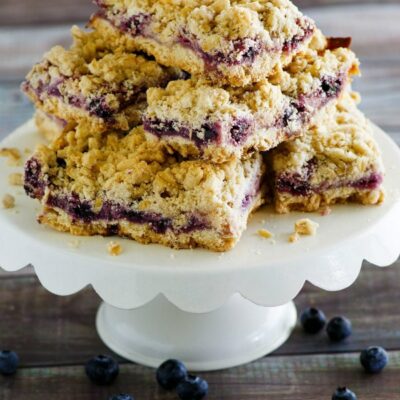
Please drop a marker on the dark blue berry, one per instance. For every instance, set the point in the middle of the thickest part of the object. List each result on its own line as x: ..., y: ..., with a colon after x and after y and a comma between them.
x: 121, y: 396
x: 170, y: 373
x: 192, y: 388
x: 312, y: 320
x: 374, y: 359
x: 9, y: 361
x: 338, y: 329
x: 343, y: 393
x: 102, y: 370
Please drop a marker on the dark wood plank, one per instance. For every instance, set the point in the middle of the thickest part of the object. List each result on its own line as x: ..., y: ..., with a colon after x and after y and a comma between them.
x: 375, y: 36
x: 272, y: 378
x: 51, y: 330
x: 36, y: 12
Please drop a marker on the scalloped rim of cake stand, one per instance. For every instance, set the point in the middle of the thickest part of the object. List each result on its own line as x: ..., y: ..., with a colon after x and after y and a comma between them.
x: 266, y: 272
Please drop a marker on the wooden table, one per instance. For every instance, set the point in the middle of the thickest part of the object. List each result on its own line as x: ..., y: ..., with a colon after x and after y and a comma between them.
x: 54, y: 336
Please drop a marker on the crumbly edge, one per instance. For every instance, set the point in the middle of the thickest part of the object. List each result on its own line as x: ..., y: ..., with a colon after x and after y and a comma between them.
x: 174, y: 54
x: 94, y: 69
x: 208, y: 239
x: 285, y: 202
x: 341, y: 147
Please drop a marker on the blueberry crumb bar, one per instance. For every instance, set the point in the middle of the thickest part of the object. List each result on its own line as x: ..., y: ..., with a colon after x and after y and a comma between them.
x: 198, y: 119
x: 116, y: 184
x: 336, y: 161
x: 232, y: 41
x: 97, y: 82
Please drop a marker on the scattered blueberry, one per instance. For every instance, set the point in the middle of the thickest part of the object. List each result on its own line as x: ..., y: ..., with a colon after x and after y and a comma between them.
x: 121, y: 396
x: 338, y: 329
x: 192, y: 388
x: 9, y: 361
x: 102, y: 370
x: 374, y: 359
x: 312, y: 320
x: 170, y: 373
x: 343, y: 393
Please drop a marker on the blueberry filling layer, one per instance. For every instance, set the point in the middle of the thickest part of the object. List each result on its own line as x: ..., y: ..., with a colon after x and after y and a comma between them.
x: 96, y: 106
x: 111, y: 212
x: 207, y: 133
x: 297, y: 114
x: 299, y: 185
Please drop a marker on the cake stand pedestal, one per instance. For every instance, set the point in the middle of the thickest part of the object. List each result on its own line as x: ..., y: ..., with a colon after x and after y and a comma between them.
x: 210, y: 310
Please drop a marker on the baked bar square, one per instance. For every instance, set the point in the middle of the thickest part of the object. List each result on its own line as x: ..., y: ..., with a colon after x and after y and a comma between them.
x: 231, y: 41
x: 116, y: 184
x: 337, y: 160
x: 199, y: 119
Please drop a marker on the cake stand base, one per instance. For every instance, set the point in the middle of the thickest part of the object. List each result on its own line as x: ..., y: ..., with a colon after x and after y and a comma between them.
x: 235, y: 334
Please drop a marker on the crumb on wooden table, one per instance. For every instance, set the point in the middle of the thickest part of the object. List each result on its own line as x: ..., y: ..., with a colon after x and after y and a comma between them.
x: 16, y: 179
x: 13, y: 155
x: 306, y: 227
x: 294, y: 237
x: 114, y: 249
x: 265, y: 233
x: 8, y: 201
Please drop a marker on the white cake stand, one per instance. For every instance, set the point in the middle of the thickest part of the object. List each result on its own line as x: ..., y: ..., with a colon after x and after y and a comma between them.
x: 212, y: 311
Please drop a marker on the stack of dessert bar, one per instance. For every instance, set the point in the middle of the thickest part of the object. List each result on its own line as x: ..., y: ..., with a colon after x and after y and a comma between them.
x: 171, y: 121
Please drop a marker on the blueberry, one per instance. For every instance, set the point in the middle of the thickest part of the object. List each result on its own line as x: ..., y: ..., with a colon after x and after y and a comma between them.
x: 170, y: 373
x: 192, y: 388
x: 9, y: 361
x: 343, y: 393
x: 121, y: 396
x: 374, y: 359
x: 312, y: 320
x: 338, y: 329
x: 102, y: 370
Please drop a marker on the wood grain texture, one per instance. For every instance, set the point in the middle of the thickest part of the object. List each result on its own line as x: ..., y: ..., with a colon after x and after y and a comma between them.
x: 36, y: 12
x: 272, y: 378
x: 61, y: 329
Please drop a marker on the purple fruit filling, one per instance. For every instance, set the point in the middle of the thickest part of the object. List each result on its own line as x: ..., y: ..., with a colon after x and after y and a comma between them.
x: 135, y: 25
x: 300, y: 111
x: 294, y: 43
x: 371, y: 182
x: 82, y: 211
x: 243, y: 51
x: 299, y: 185
x: 208, y: 133
x: 95, y: 106
x: 241, y: 129
x: 34, y: 183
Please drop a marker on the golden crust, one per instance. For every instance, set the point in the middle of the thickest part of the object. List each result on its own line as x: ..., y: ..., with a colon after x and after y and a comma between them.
x: 340, y: 149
